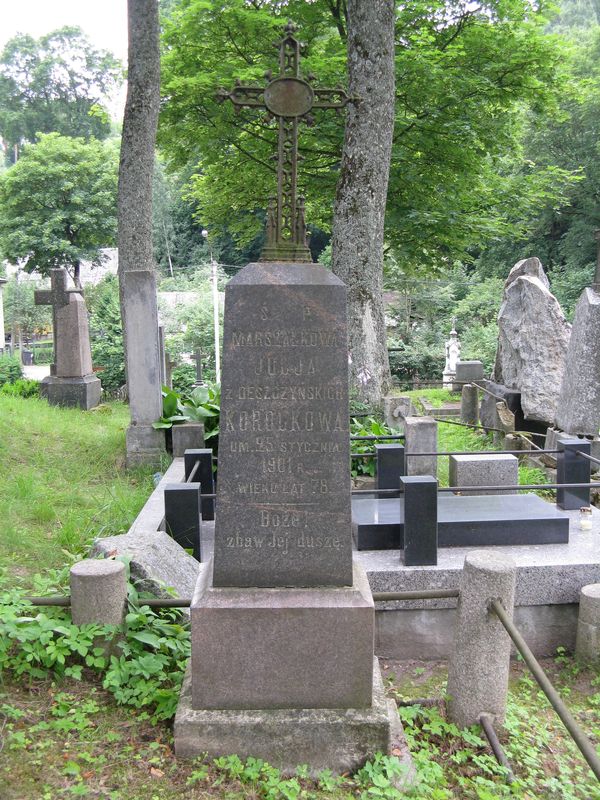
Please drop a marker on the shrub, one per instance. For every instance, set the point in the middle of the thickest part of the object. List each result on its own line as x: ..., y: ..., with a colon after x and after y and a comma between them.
x: 10, y: 369
x: 183, y: 378
x: 21, y: 388
x: 43, y: 355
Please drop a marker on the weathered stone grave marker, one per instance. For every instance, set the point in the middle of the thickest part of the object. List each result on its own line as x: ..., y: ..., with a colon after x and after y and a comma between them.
x: 578, y: 409
x: 71, y: 381
x: 282, y: 621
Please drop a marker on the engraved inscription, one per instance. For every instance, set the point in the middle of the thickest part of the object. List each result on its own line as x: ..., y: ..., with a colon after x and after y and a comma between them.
x: 284, y: 421
x: 292, y: 393
x: 287, y: 338
x: 285, y: 542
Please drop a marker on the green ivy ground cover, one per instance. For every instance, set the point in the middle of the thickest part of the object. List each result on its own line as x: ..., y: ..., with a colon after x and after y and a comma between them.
x: 74, y: 722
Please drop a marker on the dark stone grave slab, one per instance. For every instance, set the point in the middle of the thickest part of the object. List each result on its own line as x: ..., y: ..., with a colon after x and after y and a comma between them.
x: 418, y: 515
x: 571, y: 468
x: 473, y: 521
x: 182, y: 515
x: 284, y: 484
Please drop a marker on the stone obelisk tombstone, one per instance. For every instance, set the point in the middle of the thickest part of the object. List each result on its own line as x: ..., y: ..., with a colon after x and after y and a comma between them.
x: 282, y: 663
x: 578, y: 409
x: 71, y: 381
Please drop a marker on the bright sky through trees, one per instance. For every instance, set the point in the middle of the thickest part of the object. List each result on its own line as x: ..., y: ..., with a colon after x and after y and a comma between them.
x: 105, y: 24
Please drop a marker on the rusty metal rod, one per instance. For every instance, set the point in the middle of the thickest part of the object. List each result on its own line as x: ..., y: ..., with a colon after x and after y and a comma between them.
x: 585, y: 455
x: 417, y: 594
x: 520, y: 486
x: 466, y: 425
x: 64, y: 602
x: 512, y: 487
x: 185, y: 602
x: 483, y: 453
x: 190, y: 477
x: 375, y: 438
x: 581, y: 740
x: 488, y: 728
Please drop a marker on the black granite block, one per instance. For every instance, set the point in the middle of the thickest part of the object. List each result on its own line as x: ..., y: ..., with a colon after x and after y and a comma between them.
x: 419, y: 516
x: 284, y: 449
x: 571, y: 468
x: 390, y: 465
x: 204, y: 475
x: 182, y: 515
x: 464, y: 521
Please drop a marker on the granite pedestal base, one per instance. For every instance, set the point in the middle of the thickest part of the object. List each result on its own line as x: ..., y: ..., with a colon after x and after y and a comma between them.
x: 81, y: 392
x: 282, y: 648
x: 337, y: 739
x: 145, y: 445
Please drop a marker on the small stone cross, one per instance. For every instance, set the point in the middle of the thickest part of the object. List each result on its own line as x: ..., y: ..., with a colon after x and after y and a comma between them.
x: 58, y: 295
x: 288, y: 98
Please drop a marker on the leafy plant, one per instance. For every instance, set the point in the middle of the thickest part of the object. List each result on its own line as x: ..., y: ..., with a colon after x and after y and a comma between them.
x: 145, y: 663
x: 21, y: 388
x: 365, y: 427
x: 10, y: 369
x: 202, y: 404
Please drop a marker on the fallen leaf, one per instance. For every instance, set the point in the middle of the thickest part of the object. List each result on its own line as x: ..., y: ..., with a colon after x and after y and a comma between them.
x: 156, y: 773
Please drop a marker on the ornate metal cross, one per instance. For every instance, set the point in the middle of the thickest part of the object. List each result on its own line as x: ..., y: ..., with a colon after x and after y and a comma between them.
x: 289, y: 99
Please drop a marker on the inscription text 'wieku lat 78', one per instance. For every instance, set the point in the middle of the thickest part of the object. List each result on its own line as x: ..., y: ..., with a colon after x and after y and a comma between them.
x: 289, y: 99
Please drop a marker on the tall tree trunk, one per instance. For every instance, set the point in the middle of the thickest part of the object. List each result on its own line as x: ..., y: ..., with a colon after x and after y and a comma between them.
x: 138, y: 139
x: 137, y: 274
x: 359, y: 210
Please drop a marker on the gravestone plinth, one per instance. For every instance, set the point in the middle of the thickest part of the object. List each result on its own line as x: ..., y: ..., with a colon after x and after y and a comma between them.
x: 282, y: 623
x: 282, y: 648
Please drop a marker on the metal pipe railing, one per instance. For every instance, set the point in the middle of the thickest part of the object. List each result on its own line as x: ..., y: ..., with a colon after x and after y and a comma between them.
x: 193, y: 472
x: 485, y: 721
x: 466, y: 425
x: 417, y: 594
x: 587, y: 456
x: 185, y: 602
x: 510, y: 487
x: 375, y: 438
x: 483, y: 453
x: 581, y: 740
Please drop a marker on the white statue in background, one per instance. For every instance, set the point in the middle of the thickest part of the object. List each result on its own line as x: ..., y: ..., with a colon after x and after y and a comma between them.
x: 452, y: 356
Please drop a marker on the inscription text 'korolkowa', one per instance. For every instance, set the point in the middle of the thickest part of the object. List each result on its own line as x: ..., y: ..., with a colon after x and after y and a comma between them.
x: 288, y: 98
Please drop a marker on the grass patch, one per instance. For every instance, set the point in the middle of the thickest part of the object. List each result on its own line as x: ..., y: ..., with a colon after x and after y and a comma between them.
x: 64, y: 480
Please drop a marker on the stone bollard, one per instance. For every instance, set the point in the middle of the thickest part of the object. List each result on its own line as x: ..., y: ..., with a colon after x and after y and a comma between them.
x: 420, y: 436
x: 98, y: 592
x: 478, y: 668
x: 469, y: 405
x: 587, y: 647
x: 186, y: 436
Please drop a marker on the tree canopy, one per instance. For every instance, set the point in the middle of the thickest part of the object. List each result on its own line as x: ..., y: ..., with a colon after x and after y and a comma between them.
x: 58, y: 204
x: 465, y: 75
x: 56, y: 83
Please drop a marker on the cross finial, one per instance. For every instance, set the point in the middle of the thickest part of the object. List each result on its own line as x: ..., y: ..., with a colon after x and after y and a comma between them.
x: 289, y: 99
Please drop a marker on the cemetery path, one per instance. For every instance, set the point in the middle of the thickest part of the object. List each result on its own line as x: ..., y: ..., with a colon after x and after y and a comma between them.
x: 36, y: 372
